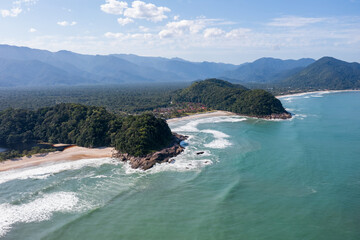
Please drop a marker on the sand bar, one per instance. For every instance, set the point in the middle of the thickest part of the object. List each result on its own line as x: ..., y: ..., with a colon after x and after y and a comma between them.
x: 201, y: 115
x: 69, y: 154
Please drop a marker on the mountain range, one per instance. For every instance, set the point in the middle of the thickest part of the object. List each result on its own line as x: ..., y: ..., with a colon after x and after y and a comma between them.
x: 327, y: 72
x: 22, y: 66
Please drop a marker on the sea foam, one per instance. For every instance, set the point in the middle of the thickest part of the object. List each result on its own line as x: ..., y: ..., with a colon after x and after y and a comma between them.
x: 44, y: 171
x: 38, y: 210
x: 192, y: 125
x: 220, y: 139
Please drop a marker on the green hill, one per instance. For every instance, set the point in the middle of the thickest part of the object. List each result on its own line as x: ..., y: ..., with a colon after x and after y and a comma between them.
x: 221, y: 95
x: 326, y: 73
x: 84, y: 126
x: 267, y: 70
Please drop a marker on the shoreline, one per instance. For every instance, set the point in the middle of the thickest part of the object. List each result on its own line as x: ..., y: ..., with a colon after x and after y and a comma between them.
x: 73, y: 152
x: 217, y: 113
x: 69, y: 154
x: 321, y: 91
x: 221, y: 113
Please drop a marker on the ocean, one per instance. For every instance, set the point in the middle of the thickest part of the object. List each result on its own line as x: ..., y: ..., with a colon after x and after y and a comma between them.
x: 257, y: 179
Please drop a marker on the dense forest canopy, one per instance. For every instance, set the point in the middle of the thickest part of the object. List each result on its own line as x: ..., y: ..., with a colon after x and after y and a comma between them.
x: 84, y: 126
x: 131, y: 99
x: 222, y: 95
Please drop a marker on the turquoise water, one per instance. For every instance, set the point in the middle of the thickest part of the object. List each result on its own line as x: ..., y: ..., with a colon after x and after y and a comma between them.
x: 293, y: 179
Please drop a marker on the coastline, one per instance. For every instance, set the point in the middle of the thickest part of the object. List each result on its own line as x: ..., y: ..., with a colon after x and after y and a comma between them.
x: 202, y: 115
x: 73, y: 153
x: 69, y: 154
x: 321, y: 92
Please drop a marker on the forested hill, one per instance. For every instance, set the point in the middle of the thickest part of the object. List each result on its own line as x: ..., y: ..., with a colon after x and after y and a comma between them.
x: 267, y: 70
x: 326, y: 73
x: 84, y: 126
x: 222, y: 95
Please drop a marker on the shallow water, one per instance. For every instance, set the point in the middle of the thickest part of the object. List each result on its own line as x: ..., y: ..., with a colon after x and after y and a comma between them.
x: 293, y: 179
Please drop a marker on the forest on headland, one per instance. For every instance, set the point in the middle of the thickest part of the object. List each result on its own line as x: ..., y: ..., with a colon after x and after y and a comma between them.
x: 122, y: 119
x: 81, y: 125
x: 222, y: 95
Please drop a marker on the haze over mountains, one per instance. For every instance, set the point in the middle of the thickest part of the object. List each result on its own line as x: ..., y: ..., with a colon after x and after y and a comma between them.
x: 265, y: 70
x: 22, y: 66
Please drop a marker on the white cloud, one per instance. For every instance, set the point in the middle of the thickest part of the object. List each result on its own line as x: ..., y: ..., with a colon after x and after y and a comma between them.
x: 17, y: 8
x: 114, y: 35
x: 66, y: 23
x: 32, y: 30
x: 124, y: 21
x: 114, y: 7
x: 144, y: 29
x: 213, y: 32
x: 293, y: 21
x: 237, y: 33
x: 14, y: 12
x: 173, y: 29
x: 28, y: 2
x: 148, y: 11
x: 176, y: 18
x: 138, y: 10
x: 135, y: 36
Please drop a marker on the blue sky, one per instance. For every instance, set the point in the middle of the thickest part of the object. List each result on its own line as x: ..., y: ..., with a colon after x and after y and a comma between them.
x: 197, y: 30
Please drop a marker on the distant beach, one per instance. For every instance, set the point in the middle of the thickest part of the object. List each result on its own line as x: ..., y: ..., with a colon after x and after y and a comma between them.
x: 201, y: 115
x: 69, y: 154
x: 321, y: 92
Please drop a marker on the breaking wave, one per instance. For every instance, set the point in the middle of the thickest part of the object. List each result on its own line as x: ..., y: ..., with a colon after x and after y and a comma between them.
x: 44, y: 171
x: 38, y: 210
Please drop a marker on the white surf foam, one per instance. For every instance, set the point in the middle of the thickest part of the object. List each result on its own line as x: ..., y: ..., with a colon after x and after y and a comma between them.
x: 44, y: 171
x: 38, y: 210
x: 179, y: 165
x: 317, y: 95
x: 220, y: 139
x: 218, y: 143
x: 300, y: 116
x: 288, y: 99
x: 192, y: 125
x: 217, y: 134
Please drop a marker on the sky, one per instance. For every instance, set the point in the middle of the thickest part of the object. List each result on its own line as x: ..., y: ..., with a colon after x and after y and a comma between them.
x: 230, y: 31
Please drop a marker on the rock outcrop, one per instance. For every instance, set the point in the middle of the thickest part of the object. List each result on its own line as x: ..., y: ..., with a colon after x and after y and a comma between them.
x: 162, y: 156
x: 278, y: 116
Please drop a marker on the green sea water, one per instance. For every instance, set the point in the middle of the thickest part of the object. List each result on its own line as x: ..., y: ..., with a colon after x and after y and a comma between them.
x: 258, y: 179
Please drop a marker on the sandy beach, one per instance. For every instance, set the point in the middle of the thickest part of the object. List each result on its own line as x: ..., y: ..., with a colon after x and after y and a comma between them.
x: 76, y: 153
x: 69, y: 154
x: 321, y: 92
x: 201, y: 115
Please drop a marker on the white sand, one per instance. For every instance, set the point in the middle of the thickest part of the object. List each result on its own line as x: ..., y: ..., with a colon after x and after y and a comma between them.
x: 69, y: 154
x: 321, y: 92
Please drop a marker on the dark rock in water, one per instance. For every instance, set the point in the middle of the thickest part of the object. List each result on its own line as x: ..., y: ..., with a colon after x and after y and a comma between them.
x: 199, y: 153
x: 278, y: 116
x: 162, y: 156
